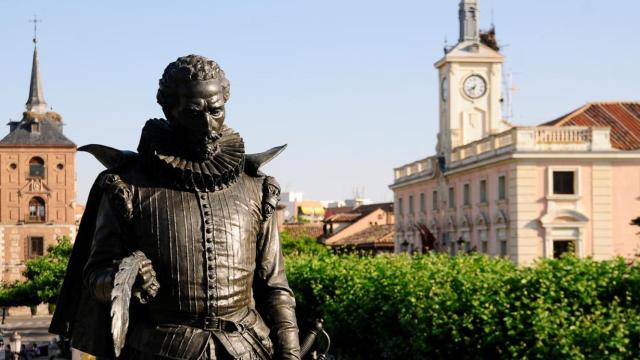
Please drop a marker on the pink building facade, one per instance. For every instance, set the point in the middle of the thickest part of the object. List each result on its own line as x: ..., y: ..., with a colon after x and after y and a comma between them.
x: 569, y: 185
x: 527, y: 193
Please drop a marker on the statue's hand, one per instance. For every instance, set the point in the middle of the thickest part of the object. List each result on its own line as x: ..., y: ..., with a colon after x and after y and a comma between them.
x: 146, y: 285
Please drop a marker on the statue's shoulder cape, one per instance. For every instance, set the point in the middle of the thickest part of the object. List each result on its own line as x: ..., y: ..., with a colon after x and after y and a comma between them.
x: 253, y: 162
x: 113, y: 158
x: 78, y: 316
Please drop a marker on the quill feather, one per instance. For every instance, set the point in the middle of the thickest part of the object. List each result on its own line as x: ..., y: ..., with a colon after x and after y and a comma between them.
x: 121, y: 298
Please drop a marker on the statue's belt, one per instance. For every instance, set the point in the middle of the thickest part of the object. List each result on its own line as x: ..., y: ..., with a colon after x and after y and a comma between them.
x: 211, y: 323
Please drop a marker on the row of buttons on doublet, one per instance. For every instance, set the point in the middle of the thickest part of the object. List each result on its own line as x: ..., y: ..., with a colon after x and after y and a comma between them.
x: 208, y: 238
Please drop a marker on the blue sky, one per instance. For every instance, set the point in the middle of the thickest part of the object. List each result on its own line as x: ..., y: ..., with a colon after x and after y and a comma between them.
x: 349, y: 85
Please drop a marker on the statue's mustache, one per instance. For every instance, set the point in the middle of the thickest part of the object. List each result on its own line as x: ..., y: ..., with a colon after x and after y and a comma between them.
x: 200, y: 122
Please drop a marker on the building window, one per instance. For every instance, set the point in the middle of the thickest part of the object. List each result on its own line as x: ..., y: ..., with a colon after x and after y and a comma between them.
x: 503, y: 247
x: 564, y: 183
x: 37, y: 211
x: 502, y: 240
x: 482, y: 238
x: 452, y: 198
x: 400, y: 210
x: 434, y: 200
x: 502, y: 188
x: 465, y: 194
x: 410, y: 204
x: 483, y: 191
x: 36, y: 246
x: 422, y: 204
x: 36, y: 167
x: 466, y: 236
x: 563, y: 246
x: 446, y: 240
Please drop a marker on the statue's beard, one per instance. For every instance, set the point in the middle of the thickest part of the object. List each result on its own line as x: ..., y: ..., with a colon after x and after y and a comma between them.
x: 198, y: 146
x: 195, y: 143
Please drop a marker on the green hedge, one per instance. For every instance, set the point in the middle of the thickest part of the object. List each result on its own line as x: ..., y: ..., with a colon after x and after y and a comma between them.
x: 441, y: 307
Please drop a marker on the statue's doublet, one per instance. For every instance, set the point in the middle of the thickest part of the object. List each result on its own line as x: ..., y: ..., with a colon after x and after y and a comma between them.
x: 202, y: 245
x: 207, y: 245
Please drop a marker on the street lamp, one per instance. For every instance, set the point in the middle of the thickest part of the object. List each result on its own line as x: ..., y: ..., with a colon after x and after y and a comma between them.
x: 404, y: 246
x: 16, y: 344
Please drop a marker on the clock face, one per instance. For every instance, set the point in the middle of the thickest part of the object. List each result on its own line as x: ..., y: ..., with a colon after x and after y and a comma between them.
x: 475, y: 86
x: 444, y: 89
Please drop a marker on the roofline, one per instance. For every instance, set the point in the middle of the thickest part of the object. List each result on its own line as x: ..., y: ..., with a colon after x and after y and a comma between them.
x: 497, y: 57
x: 571, y: 114
x: 613, y: 155
x: 355, y: 221
x: 461, y: 59
x: 568, y: 116
x: 38, y: 146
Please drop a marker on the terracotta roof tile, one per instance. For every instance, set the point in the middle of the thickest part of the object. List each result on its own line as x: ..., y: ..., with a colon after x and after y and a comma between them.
x: 298, y: 230
x: 378, y: 236
x: 343, y: 217
x: 622, y: 117
x: 369, y: 208
x: 336, y: 210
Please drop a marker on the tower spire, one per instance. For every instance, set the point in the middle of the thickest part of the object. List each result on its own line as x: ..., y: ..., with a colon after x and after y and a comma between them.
x: 468, y: 15
x: 36, y: 101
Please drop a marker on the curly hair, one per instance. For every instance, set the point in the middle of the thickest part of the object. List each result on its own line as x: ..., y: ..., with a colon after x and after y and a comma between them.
x: 185, y: 69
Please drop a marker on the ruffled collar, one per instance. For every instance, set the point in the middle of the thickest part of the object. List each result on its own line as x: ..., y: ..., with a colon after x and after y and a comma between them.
x: 160, y: 151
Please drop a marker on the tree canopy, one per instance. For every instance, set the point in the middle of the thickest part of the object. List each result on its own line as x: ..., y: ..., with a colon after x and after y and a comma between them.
x: 44, y: 276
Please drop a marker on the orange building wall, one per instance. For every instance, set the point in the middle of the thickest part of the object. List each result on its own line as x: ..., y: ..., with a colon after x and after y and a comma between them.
x: 57, y: 188
x: 377, y: 217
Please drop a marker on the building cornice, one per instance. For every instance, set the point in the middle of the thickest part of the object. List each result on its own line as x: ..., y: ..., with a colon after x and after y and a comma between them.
x: 8, y: 146
x: 34, y: 225
x: 464, y: 59
x: 562, y: 155
x: 609, y: 155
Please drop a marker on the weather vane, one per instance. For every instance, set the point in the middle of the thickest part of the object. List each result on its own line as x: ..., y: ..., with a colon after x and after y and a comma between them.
x: 35, y: 22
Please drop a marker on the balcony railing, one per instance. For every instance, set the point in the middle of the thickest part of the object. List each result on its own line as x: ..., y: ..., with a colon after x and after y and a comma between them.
x: 517, y: 139
x: 563, y: 135
x: 416, y: 168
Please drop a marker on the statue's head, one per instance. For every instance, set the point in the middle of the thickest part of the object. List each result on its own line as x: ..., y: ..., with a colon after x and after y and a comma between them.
x: 192, y: 93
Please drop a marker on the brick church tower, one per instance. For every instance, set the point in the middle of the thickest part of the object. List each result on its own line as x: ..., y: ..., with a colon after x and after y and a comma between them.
x: 37, y: 183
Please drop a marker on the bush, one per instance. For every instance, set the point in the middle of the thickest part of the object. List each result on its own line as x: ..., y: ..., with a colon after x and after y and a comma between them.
x: 439, y: 307
x: 301, y: 245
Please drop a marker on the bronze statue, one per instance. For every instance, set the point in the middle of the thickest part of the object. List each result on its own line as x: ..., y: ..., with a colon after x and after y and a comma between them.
x: 186, y: 227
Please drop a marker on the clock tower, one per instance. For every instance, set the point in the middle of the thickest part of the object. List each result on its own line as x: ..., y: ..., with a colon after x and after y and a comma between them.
x: 470, y: 80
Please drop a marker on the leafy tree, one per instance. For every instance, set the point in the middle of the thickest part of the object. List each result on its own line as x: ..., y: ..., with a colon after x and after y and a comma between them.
x: 18, y: 294
x: 46, y: 273
x: 301, y: 245
x: 44, y: 277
